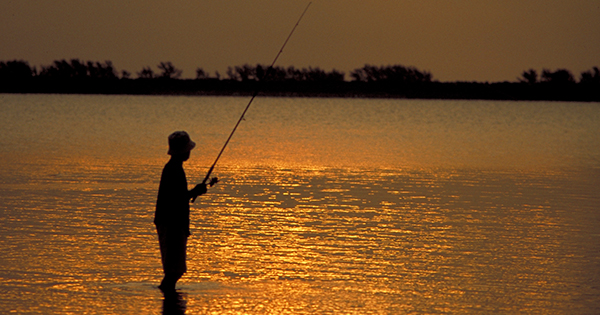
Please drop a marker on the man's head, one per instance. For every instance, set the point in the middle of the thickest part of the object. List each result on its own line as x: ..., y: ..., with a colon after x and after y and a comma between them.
x: 180, y: 144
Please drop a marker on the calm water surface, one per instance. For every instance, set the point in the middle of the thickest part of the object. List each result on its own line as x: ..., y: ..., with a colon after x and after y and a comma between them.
x: 325, y: 206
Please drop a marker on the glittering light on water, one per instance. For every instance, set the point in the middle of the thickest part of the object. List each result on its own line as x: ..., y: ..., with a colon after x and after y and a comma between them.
x: 317, y: 217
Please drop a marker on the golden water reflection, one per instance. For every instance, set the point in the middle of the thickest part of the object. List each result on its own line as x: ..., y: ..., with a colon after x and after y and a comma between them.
x: 399, y: 238
x: 344, y: 212
x: 280, y: 240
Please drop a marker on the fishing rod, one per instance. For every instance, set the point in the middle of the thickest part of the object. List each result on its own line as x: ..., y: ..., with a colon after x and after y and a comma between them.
x: 214, y: 180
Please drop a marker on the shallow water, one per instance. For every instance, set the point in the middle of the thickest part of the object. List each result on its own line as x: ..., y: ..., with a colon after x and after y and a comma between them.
x: 324, y: 206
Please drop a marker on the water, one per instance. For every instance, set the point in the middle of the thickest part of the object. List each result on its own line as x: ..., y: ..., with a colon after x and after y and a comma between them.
x: 324, y: 206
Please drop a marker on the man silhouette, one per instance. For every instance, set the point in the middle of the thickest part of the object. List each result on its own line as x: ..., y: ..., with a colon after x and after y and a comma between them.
x: 172, y: 216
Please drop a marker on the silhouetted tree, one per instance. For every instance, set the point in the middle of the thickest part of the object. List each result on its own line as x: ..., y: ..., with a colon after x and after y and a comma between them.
x: 146, y: 73
x: 99, y: 70
x: 277, y: 74
x: 396, y: 73
x: 319, y: 75
x: 77, y: 69
x: 246, y: 72
x: 336, y: 75
x: 125, y: 74
x: 294, y: 74
x: 105, y: 70
x: 169, y: 71
x: 201, y: 74
x: 15, y: 70
x: 232, y: 74
x: 59, y: 69
x: 260, y: 72
x: 561, y: 76
x: 530, y: 76
x: 591, y: 76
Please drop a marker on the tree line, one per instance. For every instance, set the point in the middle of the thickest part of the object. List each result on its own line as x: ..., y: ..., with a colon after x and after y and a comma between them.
x: 75, y: 68
x: 78, y: 69
x: 77, y: 76
x: 561, y: 76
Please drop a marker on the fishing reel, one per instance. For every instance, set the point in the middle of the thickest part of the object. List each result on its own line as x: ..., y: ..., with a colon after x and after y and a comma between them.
x: 213, y: 181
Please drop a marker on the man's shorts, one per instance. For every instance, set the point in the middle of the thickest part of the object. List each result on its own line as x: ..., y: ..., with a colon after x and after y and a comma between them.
x: 172, y: 250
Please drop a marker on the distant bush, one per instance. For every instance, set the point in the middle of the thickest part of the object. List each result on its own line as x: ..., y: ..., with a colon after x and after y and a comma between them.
x: 279, y: 74
x: 77, y: 69
x: 590, y: 77
x: 15, y: 70
x: 396, y: 74
x: 561, y: 76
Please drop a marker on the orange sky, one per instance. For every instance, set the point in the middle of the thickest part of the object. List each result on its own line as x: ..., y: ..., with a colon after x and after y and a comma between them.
x: 467, y: 40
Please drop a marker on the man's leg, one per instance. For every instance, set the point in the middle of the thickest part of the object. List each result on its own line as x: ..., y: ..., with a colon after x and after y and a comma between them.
x: 169, y: 281
x: 173, y: 256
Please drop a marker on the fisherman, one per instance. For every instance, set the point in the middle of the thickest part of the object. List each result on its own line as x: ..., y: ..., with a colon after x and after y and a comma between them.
x: 172, y: 216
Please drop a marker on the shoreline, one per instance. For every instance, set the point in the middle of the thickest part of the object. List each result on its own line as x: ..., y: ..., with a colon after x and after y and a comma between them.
x: 575, y: 92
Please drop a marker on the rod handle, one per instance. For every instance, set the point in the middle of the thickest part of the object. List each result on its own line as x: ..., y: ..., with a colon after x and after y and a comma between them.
x: 212, y: 182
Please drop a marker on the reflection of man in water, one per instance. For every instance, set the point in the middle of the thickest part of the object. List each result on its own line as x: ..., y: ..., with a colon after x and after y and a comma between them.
x: 172, y: 217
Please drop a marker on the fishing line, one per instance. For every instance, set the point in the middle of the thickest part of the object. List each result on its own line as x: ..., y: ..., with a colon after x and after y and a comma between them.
x: 261, y: 81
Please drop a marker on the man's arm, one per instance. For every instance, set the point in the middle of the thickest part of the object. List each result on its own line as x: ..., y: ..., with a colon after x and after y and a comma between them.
x: 199, y: 190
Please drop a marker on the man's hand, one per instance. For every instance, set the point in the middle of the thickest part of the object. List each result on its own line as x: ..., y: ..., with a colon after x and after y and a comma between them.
x: 199, y: 190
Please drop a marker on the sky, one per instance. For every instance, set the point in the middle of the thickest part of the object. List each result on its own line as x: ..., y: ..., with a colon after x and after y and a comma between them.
x: 455, y: 40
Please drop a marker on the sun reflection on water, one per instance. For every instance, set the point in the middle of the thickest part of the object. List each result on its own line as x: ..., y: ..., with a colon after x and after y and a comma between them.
x: 283, y: 240
x: 314, y: 225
